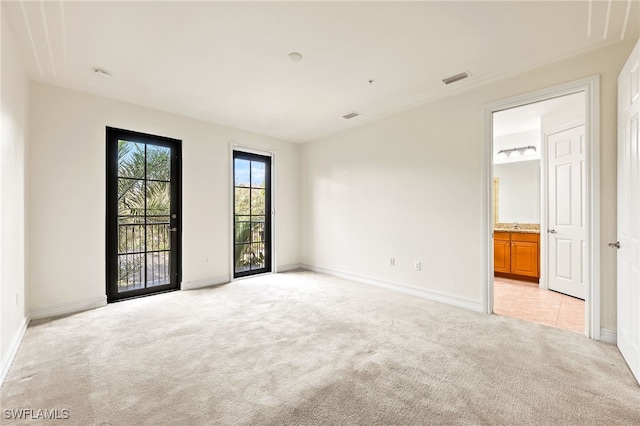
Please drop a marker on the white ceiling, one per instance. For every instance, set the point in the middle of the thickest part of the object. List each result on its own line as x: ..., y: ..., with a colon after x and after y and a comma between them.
x: 528, y: 117
x: 226, y: 62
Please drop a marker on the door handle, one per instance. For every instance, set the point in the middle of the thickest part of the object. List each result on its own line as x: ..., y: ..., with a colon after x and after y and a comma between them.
x: 173, y: 229
x: 616, y: 244
x: 552, y: 231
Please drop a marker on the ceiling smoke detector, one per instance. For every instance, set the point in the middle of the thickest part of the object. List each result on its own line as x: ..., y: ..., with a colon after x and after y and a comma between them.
x: 455, y: 78
x: 351, y: 115
x: 295, y: 56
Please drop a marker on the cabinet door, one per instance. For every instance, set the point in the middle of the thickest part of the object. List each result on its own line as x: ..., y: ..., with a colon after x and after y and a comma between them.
x: 524, y: 258
x: 502, y: 256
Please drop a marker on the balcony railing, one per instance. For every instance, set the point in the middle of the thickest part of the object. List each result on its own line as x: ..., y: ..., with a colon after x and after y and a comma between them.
x: 143, y: 253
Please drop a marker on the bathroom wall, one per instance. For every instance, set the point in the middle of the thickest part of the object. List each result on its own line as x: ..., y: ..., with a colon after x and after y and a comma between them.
x: 519, y: 191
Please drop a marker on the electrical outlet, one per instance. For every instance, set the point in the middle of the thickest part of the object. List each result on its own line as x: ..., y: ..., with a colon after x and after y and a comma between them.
x: 417, y: 266
x: 392, y: 261
x: 206, y: 259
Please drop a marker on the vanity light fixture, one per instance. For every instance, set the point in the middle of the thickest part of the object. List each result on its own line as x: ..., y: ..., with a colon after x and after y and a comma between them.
x: 516, y: 152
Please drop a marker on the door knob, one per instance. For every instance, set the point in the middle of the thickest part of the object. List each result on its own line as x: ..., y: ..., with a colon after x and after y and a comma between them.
x: 616, y: 244
x: 552, y: 231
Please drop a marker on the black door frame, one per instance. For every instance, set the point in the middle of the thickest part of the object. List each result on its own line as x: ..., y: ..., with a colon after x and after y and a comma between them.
x: 113, y: 135
x: 240, y: 153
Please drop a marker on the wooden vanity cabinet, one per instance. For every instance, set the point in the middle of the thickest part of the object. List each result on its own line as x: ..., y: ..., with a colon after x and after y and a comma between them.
x: 516, y: 253
x: 525, y: 254
x: 502, y: 252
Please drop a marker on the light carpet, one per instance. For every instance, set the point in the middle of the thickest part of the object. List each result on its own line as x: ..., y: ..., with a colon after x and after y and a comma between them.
x: 307, y: 349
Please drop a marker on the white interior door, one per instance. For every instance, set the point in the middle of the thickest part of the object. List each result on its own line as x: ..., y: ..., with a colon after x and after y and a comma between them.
x: 566, y: 152
x: 629, y: 213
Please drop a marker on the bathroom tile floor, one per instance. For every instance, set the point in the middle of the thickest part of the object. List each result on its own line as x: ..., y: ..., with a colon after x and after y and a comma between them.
x: 526, y: 301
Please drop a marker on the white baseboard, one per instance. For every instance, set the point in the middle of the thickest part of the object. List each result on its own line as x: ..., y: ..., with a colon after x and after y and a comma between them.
x: 45, y: 312
x: 425, y: 294
x: 67, y: 308
x: 13, y: 348
x: 192, y: 285
x: 608, y: 336
x: 224, y: 279
x: 290, y: 267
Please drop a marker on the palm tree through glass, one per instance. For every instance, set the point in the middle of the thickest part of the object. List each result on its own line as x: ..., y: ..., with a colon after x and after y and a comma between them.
x: 249, y: 214
x: 144, y: 202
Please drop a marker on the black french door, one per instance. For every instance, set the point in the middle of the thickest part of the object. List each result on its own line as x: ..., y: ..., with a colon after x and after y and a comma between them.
x: 251, y: 214
x: 143, y: 220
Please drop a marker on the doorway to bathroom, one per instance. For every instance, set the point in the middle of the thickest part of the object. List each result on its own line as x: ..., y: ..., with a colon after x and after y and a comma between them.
x: 539, y: 211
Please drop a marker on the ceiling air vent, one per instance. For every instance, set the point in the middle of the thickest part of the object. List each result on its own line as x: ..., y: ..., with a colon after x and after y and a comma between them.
x: 455, y: 78
x: 351, y: 115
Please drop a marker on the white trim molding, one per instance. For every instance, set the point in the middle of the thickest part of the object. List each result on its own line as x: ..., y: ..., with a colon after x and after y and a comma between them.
x: 608, y: 336
x: 193, y: 285
x: 247, y: 149
x: 448, y: 299
x: 13, y: 348
x: 67, y: 308
x: 290, y: 267
x: 591, y: 87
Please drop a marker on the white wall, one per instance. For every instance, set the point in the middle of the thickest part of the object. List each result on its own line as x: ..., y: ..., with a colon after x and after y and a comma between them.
x: 570, y: 113
x: 519, y: 191
x: 406, y: 187
x: 13, y: 136
x: 410, y: 186
x: 67, y: 192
